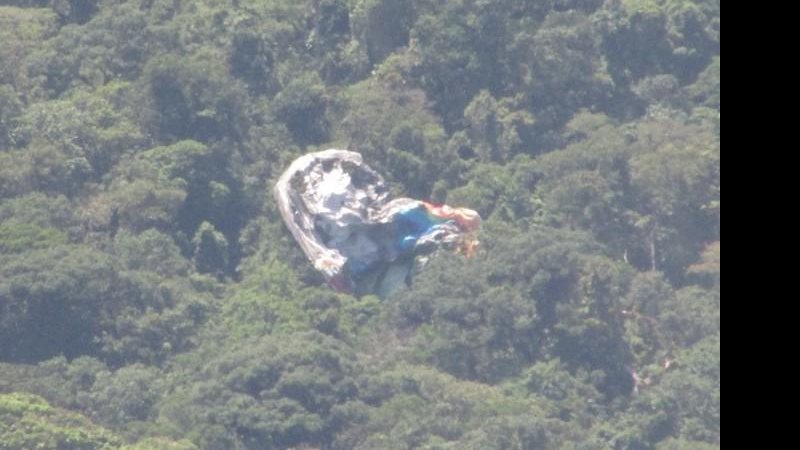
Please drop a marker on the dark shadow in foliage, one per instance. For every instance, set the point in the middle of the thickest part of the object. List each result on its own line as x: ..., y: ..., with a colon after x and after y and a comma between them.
x: 332, y: 19
x: 384, y: 25
x: 194, y: 100
x: 301, y: 105
x: 211, y: 254
x: 171, y: 103
x: 252, y: 60
x: 75, y: 11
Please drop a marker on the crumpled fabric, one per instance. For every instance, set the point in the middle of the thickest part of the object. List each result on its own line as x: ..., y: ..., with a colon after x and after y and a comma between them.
x: 339, y: 212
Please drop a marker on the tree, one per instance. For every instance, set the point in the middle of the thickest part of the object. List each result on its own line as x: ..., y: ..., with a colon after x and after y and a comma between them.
x: 269, y: 392
x: 125, y: 396
x: 73, y: 300
x: 460, y: 45
x: 23, y: 30
x: 706, y: 90
x: 678, y: 181
x: 417, y: 407
x: 494, y: 129
x: 151, y: 251
x: 28, y: 421
x: 252, y: 59
x: 531, y: 295
x: 302, y: 105
x: 563, y: 68
x: 90, y: 128
x: 148, y: 284
x: 211, y: 191
x: 210, y: 249
x: 384, y: 25
x: 138, y: 196
x: 75, y: 11
x: 17, y: 238
x: 191, y: 102
x: 10, y: 109
x: 58, y: 300
x: 396, y: 133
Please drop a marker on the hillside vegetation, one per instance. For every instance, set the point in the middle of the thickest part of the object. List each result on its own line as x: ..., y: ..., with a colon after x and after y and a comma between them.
x: 151, y: 297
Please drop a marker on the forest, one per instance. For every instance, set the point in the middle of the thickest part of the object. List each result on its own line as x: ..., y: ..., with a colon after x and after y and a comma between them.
x: 152, y: 298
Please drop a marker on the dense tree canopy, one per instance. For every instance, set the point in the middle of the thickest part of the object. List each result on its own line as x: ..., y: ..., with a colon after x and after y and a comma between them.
x: 151, y: 298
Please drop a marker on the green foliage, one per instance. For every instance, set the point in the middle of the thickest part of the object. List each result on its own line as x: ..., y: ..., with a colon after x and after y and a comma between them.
x: 210, y: 249
x: 10, y: 109
x: 149, y: 286
x: 650, y: 37
x: 73, y: 300
x: 62, y: 383
x: 87, y: 127
x: 190, y: 101
x: 27, y: 421
x: 675, y: 444
x: 210, y: 191
x: 533, y: 295
x: 41, y: 167
x: 15, y: 238
x: 383, y: 24
x: 75, y: 11
x: 301, y: 105
x: 574, y: 396
x: 21, y: 29
x: 270, y: 392
x: 658, y: 183
x: 271, y: 300
x: 252, y: 59
x: 151, y: 251
x: 161, y: 444
x: 563, y: 56
x: 706, y: 90
x: 137, y: 197
x: 57, y: 300
x: 710, y: 265
x: 261, y: 304
x: 493, y: 190
x: 162, y: 323
x: 37, y: 209
x: 409, y: 151
x: 494, y: 129
x: 461, y: 49
x: 421, y: 408
x: 115, y: 44
x: 125, y: 396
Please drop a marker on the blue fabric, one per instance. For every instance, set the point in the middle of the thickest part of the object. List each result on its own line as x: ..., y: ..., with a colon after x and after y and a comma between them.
x: 412, y: 224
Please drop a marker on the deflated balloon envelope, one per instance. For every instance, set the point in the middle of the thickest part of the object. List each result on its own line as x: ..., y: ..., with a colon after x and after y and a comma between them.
x: 338, y: 209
